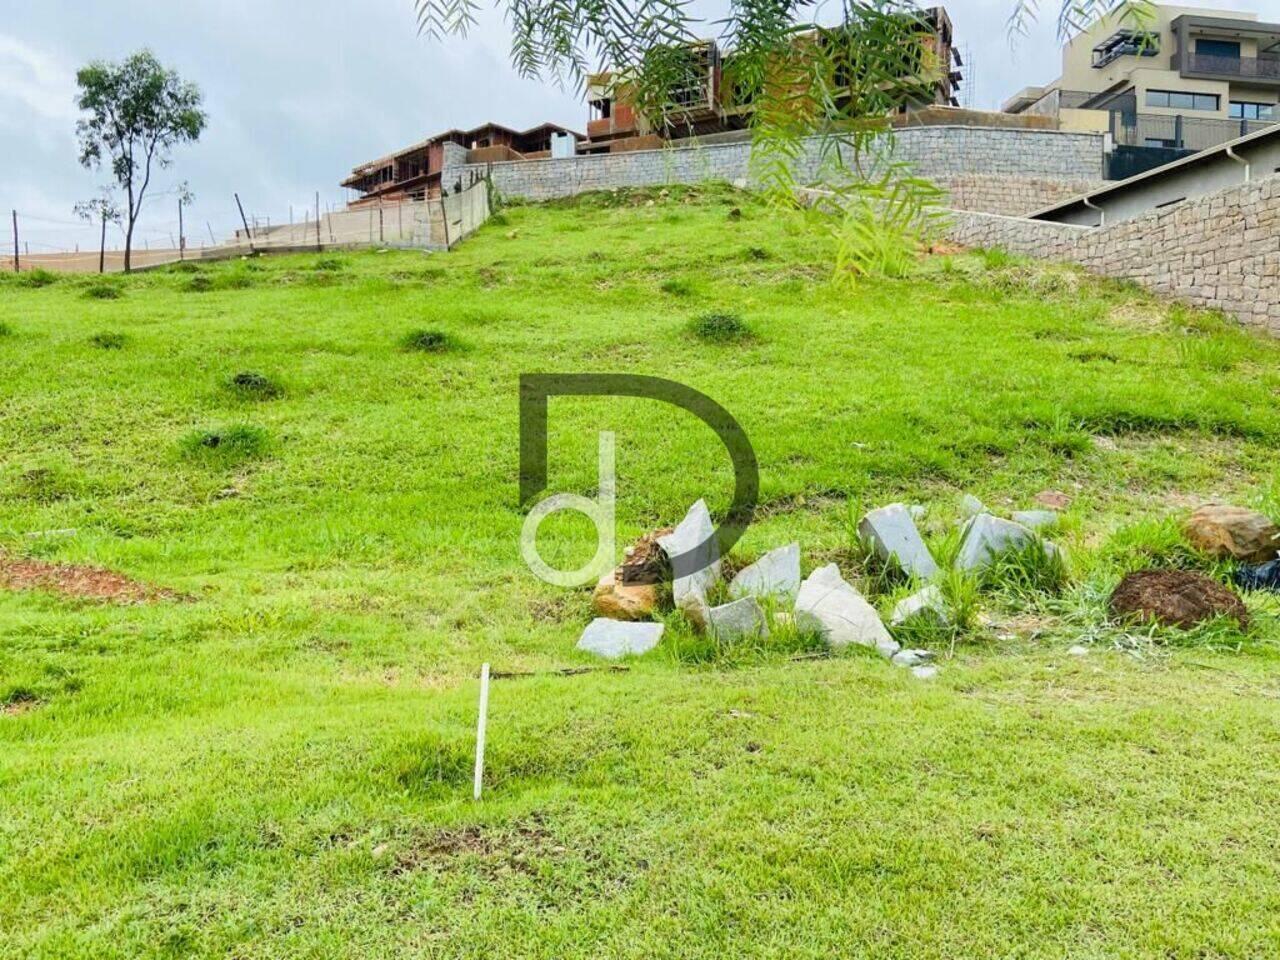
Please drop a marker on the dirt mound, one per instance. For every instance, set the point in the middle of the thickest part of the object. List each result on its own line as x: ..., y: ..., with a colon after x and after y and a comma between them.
x: 1175, y: 598
x: 75, y: 580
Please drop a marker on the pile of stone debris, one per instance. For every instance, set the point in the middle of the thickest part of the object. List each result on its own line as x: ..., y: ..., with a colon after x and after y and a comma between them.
x: 824, y: 603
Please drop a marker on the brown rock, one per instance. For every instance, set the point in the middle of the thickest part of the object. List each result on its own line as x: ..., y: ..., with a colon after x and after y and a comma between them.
x: 1223, y: 531
x: 1053, y: 499
x: 645, y: 561
x: 624, y: 601
x: 1177, y: 598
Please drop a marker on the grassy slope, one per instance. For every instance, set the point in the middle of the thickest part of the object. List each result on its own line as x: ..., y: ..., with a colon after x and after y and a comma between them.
x: 281, y: 767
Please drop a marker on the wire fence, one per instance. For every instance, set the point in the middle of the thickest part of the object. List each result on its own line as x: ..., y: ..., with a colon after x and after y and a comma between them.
x: 428, y: 224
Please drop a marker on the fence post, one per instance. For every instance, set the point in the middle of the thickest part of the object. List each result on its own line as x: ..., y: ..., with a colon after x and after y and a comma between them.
x: 182, y: 240
x: 319, y: 245
x: 17, y: 263
x: 247, y: 232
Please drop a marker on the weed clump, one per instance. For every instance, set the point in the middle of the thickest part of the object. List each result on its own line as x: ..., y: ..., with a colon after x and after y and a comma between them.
x: 37, y: 278
x: 248, y: 385
x: 109, y: 340
x: 427, y: 341
x: 676, y: 287
x: 720, y: 328
x: 226, y: 446
x: 102, y: 290
x: 5, y: 329
x: 329, y: 263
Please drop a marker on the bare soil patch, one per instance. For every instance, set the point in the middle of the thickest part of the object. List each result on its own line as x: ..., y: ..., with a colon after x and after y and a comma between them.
x: 78, y: 581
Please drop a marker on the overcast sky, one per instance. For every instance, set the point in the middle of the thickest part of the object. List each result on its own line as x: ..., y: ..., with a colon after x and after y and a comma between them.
x: 299, y: 92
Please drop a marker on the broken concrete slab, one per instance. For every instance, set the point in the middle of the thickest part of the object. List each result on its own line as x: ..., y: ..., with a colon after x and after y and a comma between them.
x: 833, y: 608
x: 892, y: 534
x: 688, y: 535
x: 1035, y: 519
x: 971, y: 506
x: 911, y: 658
x: 986, y: 537
x: 928, y: 602
x: 738, y: 620
x: 776, y: 574
x: 612, y: 639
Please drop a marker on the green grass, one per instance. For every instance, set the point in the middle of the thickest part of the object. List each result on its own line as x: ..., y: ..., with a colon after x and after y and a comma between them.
x: 278, y: 765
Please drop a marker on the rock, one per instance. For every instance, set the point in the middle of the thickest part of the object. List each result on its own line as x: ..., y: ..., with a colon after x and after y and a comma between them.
x: 986, y: 537
x: 892, y: 534
x: 690, y: 591
x: 1035, y: 519
x: 776, y: 574
x: 615, y: 638
x: 928, y: 602
x: 917, y: 511
x: 971, y: 506
x: 1224, y: 531
x: 1178, y: 598
x: 1078, y: 651
x: 623, y: 601
x: 829, y: 605
x: 911, y: 658
x: 1053, y: 499
x: 925, y: 671
x: 645, y: 561
x: 738, y: 620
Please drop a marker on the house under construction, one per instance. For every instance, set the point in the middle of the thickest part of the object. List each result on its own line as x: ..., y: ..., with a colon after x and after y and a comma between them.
x: 706, y: 104
x: 416, y: 172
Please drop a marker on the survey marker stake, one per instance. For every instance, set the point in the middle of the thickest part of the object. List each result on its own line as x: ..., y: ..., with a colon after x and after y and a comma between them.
x: 480, y: 730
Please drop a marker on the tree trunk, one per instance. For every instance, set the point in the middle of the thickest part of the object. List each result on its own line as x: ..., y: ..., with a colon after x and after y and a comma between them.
x: 102, y: 247
x: 128, y: 248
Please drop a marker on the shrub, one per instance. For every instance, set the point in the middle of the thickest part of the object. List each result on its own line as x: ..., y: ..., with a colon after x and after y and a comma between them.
x: 109, y: 340
x: 719, y: 328
x: 103, y: 290
x: 427, y: 341
x: 38, y: 278
x: 249, y: 385
x: 185, y: 266
x: 226, y: 446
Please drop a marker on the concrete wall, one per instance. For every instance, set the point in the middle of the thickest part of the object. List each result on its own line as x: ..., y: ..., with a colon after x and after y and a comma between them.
x: 1001, y: 170
x: 1221, y: 251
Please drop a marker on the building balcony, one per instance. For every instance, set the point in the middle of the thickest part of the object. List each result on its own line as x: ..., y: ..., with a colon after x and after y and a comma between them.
x: 1266, y: 69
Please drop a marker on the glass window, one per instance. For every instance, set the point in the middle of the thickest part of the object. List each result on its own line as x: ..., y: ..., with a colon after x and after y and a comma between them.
x: 1247, y: 110
x: 1180, y: 100
x: 1227, y: 49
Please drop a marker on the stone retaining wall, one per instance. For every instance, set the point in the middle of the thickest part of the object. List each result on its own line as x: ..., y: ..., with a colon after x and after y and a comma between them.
x: 998, y: 170
x: 1220, y: 251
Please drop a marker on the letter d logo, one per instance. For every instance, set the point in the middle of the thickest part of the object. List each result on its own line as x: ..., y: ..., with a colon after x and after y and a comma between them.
x: 534, y: 391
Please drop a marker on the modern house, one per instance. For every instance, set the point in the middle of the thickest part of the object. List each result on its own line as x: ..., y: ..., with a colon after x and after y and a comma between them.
x: 1243, y: 160
x: 1190, y: 79
x: 708, y: 103
x: 416, y: 172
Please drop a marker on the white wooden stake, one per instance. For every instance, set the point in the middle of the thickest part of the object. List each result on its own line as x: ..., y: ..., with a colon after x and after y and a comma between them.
x: 480, y: 729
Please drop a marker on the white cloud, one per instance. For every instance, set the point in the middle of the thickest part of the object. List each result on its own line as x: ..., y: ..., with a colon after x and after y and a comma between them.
x: 38, y: 81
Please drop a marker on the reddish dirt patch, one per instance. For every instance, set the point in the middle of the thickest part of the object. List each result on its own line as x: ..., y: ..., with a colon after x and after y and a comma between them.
x: 74, y: 580
x: 1175, y: 597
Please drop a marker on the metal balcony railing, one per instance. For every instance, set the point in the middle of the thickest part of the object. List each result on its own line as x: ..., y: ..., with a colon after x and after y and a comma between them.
x: 1245, y: 68
x: 1179, y: 132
